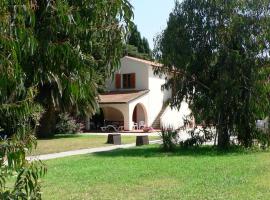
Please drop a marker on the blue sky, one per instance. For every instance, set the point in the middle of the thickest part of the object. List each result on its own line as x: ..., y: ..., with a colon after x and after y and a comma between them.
x: 151, y: 16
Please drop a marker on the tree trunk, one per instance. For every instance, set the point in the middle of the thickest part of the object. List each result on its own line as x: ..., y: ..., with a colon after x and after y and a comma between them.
x: 47, y: 122
x: 247, y: 140
x: 223, y: 139
x: 223, y: 134
x: 87, y: 123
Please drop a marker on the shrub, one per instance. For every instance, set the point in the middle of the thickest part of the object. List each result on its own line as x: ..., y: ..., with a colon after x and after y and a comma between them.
x: 195, y: 140
x: 197, y: 137
x: 67, y: 125
x: 169, y: 139
x: 263, y: 138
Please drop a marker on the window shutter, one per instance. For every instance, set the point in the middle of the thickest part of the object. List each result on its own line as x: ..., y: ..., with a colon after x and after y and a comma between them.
x: 133, y: 80
x: 117, y: 81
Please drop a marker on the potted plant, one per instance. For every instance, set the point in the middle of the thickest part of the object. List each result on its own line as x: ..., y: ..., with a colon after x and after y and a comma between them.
x: 147, y: 129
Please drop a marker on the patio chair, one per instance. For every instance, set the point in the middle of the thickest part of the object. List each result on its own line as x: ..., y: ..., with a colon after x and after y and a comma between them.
x: 103, y: 128
x: 141, y: 124
x: 108, y: 128
x: 121, y: 128
x: 135, y: 126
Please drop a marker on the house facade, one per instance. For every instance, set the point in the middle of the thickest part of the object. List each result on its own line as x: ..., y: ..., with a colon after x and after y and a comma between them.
x: 135, y: 97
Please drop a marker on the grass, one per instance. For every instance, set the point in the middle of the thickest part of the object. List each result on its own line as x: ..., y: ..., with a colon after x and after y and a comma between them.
x: 62, y: 143
x: 148, y: 173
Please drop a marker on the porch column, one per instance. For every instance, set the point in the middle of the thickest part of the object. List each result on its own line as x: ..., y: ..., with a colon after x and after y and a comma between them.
x: 126, y: 123
x: 128, y: 119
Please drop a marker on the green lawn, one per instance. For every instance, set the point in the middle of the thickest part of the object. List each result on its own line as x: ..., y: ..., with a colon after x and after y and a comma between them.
x: 147, y: 173
x: 62, y: 143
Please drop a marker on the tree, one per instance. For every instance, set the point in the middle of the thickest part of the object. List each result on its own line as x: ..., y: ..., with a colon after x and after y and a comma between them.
x: 216, y: 50
x: 56, y: 55
x: 19, y: 114
x: 138, y: 46
x: 135, y: 38
x: 146, y: 47
x: 78, y: 44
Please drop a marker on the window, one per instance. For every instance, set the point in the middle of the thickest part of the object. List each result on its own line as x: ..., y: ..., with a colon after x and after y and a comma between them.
x: 117, y: 81
x: 129, y: 81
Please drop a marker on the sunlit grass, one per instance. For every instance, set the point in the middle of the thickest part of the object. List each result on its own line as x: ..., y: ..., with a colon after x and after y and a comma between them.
x: 148, y: 173
x: 62, y: 143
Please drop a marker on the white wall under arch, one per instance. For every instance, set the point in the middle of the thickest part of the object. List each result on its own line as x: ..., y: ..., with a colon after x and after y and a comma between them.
x: 141, y: 113
x: 143, y: 102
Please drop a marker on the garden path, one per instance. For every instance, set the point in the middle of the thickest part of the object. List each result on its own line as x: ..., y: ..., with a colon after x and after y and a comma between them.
x: 85, y: 151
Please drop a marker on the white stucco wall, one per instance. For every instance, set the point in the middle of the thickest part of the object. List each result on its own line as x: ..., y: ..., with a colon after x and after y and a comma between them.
x: 131, y: 66
x: 157, y: 96
x: 127, y: 110
x: 174, y: 118
x: 143, y: 101
x: 153, y: 101
x: 145, y: 79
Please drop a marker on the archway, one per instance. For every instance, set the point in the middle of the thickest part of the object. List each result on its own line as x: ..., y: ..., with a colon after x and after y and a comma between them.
x: 106, y: 116
x: 139, y: 115
x: 113, y: 116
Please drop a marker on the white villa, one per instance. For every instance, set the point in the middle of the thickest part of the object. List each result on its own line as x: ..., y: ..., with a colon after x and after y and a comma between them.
x: 135, y: 98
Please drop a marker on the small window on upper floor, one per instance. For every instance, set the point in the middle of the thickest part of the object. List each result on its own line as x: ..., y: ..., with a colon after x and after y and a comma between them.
x: 129, y: 81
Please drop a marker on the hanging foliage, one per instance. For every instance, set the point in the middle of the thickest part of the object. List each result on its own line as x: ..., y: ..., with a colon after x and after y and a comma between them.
x: 54, y: 56
x: 217, y: 51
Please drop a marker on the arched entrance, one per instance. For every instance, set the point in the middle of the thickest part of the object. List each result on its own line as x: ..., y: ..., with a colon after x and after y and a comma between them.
x: 113, y: 116
x: 106, y: 116
x: 139, y: 115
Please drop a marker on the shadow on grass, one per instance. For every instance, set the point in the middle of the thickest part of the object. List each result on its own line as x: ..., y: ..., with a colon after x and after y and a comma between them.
x: 156, y: 151
x: 61, y: 136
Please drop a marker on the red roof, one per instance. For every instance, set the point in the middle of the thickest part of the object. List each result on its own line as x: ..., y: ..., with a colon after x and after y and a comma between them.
x: 154, y: 64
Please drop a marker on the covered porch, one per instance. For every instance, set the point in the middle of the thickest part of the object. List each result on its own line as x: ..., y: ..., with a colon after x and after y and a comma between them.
x: 125, y: 110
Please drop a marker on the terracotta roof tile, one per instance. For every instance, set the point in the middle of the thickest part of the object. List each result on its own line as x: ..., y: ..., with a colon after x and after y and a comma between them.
x: 154, y: 64
x: 121, y: 97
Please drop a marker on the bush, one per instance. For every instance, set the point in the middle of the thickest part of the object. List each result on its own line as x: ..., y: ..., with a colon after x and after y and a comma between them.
x: 263, y: 138
x: 67, y: 125
x: 197, y: 138
x: 169, y: 139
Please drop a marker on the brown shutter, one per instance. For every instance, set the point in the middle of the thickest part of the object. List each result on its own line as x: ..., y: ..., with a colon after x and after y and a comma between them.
x: 117, y: 81
x: 133, y: 80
